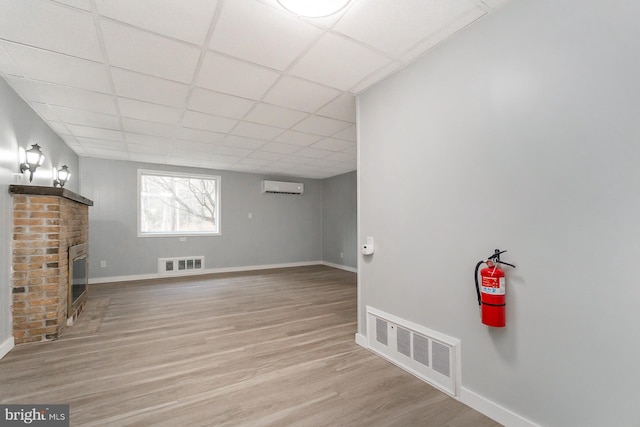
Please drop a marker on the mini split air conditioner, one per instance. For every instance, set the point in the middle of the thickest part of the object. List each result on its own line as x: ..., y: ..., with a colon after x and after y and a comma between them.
x: 280, y: 187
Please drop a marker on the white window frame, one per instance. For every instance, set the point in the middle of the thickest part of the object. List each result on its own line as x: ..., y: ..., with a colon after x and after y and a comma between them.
x: 215, y: 178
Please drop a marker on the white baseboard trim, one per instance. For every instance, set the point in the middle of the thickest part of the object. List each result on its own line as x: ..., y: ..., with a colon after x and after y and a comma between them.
x: 494, y: 411
x: 361, y: 340
x: 113, y: 279
x: 341, y: 267
x: 6, y: 347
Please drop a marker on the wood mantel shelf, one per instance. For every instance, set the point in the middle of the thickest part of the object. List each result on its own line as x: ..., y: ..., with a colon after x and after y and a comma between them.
x: 49, y: 191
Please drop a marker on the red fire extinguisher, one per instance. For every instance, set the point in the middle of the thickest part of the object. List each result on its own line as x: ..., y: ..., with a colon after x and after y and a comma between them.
x: 491, y: 290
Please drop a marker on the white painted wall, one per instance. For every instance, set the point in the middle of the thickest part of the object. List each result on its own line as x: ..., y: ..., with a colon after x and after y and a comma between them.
x: 521, y: 133
x: 21, y: 127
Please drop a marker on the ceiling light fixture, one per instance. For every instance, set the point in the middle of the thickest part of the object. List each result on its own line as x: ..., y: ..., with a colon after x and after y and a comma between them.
x: 62, y: 177
x: 313, y: 8
x: 34, y: 159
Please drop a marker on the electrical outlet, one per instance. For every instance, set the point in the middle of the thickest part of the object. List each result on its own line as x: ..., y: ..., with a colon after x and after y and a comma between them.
x: 103, y: 264
x: 341, y: 255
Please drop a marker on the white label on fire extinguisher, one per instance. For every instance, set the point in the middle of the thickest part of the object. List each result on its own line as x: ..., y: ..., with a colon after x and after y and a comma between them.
x: 493, y: 285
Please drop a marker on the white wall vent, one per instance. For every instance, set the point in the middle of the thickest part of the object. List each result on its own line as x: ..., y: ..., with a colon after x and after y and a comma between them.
x: 429, y: 355
x: 280, y: 187
x: 180, y: 265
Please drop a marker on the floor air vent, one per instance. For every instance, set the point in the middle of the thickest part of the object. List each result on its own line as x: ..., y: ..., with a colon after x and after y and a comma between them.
x: 180, y: 266
x: 429, y: 355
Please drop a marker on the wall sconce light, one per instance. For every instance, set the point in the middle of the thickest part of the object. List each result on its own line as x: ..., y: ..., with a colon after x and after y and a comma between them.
x: 62, y: 176
x: 34, y: 158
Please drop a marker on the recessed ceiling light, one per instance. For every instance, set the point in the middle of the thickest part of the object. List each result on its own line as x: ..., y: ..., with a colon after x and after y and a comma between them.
x: 313, y: 8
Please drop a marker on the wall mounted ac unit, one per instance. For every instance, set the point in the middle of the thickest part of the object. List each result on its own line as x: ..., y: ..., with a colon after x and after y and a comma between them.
x: 281, y: 187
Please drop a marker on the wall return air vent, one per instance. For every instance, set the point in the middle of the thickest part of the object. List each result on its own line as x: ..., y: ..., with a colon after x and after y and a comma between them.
x: 281, y: 187
x: 429, y: 355
x: 180, y: 266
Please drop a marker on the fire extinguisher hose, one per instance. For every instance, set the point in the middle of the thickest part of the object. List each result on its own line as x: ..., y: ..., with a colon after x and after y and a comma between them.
x: 475, y: 275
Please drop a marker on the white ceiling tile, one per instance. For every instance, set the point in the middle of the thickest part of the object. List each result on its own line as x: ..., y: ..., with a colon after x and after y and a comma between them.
x: 129, y: 84
x: 341, y: 108
x: 275, y: 116
x: 61, y: 129
x: 494, y: 4
x: 25, y: 88
x: 229, y: 75
x: 79, y: 4
x: 321, y: 125
x: 351, y: 150
x: 333, y: 144
x: 147, y: 127
x: 376, y: 77
x: 147, y: 157
x: 313, y: 153
x: 91, y: 143
x: 218, y: 103
x: 348, y: 134
x: 80, y: 99
x: 298, y: 138
x: 297, y: 160
x: 442, y: 31
x: 148, y: 140
x: 264, y: 155
x: 187, y: 20
x: 87, y: 118
x: 155, y: 147
x: 51, y: 67
x: 298, y: 94
x: 150, y: 54
x: 8, y: 65
x: 278, y: 147
x: 187, y: 148
x: 90, y: 132
x: 253, y: 162
x: 44, y: 111
x: 342, y: 157
x: 219, y: 158
x: 261, y: 34
x: 350, y: 62
x: 147, y: 111
x: 254, y: 130
x: 199, y: 135
x: 243, y: 142
x: 231, y: 151
x: 50, y: 26
x: 106, y: 154
x: 194, y: 119
x: 406, y: 23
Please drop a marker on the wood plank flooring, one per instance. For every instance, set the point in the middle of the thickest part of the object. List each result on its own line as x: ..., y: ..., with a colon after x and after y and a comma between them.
x: 266, y: 348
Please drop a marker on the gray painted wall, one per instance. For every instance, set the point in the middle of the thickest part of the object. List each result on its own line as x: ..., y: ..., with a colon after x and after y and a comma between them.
x: 519, y: 133
x: 284, y: 228
x: 21, y: 127
x: 339, y: 220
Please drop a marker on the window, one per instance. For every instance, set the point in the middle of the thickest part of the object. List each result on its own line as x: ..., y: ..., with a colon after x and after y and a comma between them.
x: 178, y: 204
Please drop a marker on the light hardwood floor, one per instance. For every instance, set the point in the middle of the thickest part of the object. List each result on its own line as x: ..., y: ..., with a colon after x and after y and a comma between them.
x: 274, y: 347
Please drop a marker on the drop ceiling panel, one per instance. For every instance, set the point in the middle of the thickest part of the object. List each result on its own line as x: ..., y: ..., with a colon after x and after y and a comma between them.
x: 254, y: 130
x: 135, y: 109
x: 29, y: 22
x: 187, y: 20
x: 150, y: 54
x: 321, y: 125
x: 52, y: 67
x: 273, y: 115
x: 404, y: 22
x: 341, y: 108
x: 87, y: 118
x: 298, y: 94
x: 147, y: 88
x: 80, y: 99
x: 199, y: 135
x: 270, y: 92
x: 196, y: 120
x: 261, y: 34
x: 235, y: 77
x: 149, y: 128
x: 220, y: 104
x: 350, y: 62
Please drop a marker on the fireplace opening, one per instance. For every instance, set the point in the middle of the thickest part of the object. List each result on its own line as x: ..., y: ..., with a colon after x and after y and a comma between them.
x: 78, y: 277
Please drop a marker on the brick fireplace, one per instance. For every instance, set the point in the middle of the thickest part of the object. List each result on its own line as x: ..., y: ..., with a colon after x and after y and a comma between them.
x: 47, y: 221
